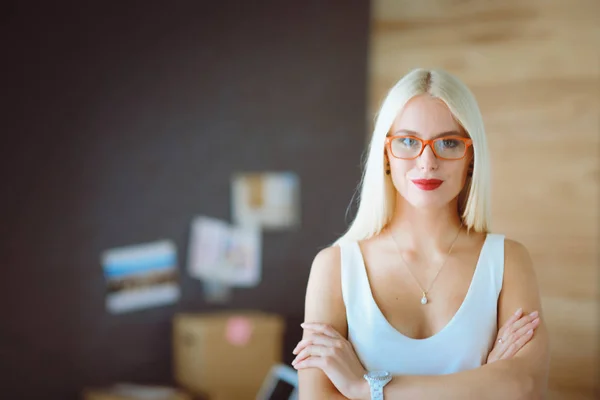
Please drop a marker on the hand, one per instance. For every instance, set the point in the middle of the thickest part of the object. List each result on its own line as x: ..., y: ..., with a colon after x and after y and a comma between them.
x: 513, y: 335
x: 326, y: 349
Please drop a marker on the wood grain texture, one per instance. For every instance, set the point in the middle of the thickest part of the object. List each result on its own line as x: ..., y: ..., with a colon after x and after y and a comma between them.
x: 534, y: 68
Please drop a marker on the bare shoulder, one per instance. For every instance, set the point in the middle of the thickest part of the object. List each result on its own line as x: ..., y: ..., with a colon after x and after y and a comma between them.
x: 325, y: 271
x: 517, y: 260
x: 516, y: 249
x: 324, y: 301
x: 327, y: 261
x: 324, y: 281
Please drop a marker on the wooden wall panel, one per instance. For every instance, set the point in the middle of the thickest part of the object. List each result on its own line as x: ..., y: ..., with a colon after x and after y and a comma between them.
x: 534, y: 68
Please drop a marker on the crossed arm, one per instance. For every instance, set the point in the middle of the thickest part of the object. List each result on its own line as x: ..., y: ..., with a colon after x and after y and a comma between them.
x: 523, y: 376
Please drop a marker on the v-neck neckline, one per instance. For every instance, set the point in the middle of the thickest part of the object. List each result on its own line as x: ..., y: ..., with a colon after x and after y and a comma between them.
x: 448, y: 325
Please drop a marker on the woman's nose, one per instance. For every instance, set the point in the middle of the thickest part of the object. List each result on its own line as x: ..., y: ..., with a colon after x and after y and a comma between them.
x: 427, y: 160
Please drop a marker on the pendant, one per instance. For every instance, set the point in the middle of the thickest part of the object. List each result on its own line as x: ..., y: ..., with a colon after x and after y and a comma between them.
x: 424, y: 299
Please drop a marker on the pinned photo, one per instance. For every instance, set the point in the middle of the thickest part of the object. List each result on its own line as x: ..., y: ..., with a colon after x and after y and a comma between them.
x: 225, y: 254
x: 270, y: 200
x: 141, y: 276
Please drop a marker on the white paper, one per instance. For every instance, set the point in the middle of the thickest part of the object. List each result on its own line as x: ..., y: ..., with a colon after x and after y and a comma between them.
x: 270, y: 200
x: 141, y: 276
x: 223, y: 253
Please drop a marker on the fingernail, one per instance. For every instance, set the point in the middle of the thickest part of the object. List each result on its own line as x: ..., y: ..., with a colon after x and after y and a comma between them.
x: 534, y: 314
x: 535, y: 321
x: 529, y: 332
x: 518, y: 311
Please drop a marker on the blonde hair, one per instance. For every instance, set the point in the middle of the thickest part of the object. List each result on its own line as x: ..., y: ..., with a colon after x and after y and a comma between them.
x: 377, y: 192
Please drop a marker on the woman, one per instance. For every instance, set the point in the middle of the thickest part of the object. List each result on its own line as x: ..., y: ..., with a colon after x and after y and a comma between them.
x: 417, y: 287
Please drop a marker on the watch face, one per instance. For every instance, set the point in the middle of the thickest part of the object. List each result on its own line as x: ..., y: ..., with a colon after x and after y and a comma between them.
x: 379, y: 375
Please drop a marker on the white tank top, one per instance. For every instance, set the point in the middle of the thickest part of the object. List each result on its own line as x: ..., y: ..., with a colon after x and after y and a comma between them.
x: 464, y: 343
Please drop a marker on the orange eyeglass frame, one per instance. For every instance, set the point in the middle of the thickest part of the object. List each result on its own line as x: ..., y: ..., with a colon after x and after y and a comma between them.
x: 468, y: 142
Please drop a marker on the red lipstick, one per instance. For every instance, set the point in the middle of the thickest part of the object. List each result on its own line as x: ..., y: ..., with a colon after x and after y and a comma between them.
x: 427, y: 184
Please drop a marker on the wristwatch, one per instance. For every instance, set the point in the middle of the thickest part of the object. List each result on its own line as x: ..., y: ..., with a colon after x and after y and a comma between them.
x: 377, y: 380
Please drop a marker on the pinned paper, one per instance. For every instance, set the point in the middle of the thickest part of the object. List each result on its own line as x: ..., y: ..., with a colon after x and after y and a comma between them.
x: 238, y: 331
x: 226, y: 254
x: 141, y: 276
x: 270, y: 200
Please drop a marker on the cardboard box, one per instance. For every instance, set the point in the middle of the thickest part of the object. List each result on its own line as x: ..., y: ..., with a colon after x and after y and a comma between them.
x: 226, y: 355
x: 135, y: 392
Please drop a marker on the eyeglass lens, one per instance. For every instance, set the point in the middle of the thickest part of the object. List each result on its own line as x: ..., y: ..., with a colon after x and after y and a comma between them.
x: 407, y: 147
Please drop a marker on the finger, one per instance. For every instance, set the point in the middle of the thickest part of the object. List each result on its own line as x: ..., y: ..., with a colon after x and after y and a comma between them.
x: 522, y: 341
x: 502, y: 349
x: 513, y: 318
x: 498, y: 350
x: 315, y: 338
x: 301, y: 346
x: 493, y: 356
x: 502, y: 344
x: 310, y: 362
x: 322, y: 328
x: 509, y: 352
x: 312, y: 350
x: 301, y: 356
x: 524, y: 321
x: 519, y: 338
x: 523, y: 330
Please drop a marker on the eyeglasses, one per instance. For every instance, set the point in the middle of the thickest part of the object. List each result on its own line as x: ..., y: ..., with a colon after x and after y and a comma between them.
x: 444, y: 148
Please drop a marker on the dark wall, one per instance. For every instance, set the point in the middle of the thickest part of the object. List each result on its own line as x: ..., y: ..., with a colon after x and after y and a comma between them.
x: 123, y: 120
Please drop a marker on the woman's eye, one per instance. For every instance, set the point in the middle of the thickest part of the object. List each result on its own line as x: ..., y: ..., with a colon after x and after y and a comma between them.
x: 449, y: 143
x: 408, y: 142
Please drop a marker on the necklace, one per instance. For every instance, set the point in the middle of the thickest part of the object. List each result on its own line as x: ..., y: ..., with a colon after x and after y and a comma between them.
x: 424, y: 299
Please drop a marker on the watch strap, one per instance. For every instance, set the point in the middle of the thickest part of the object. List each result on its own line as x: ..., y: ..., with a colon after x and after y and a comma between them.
x: 376, y: 390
